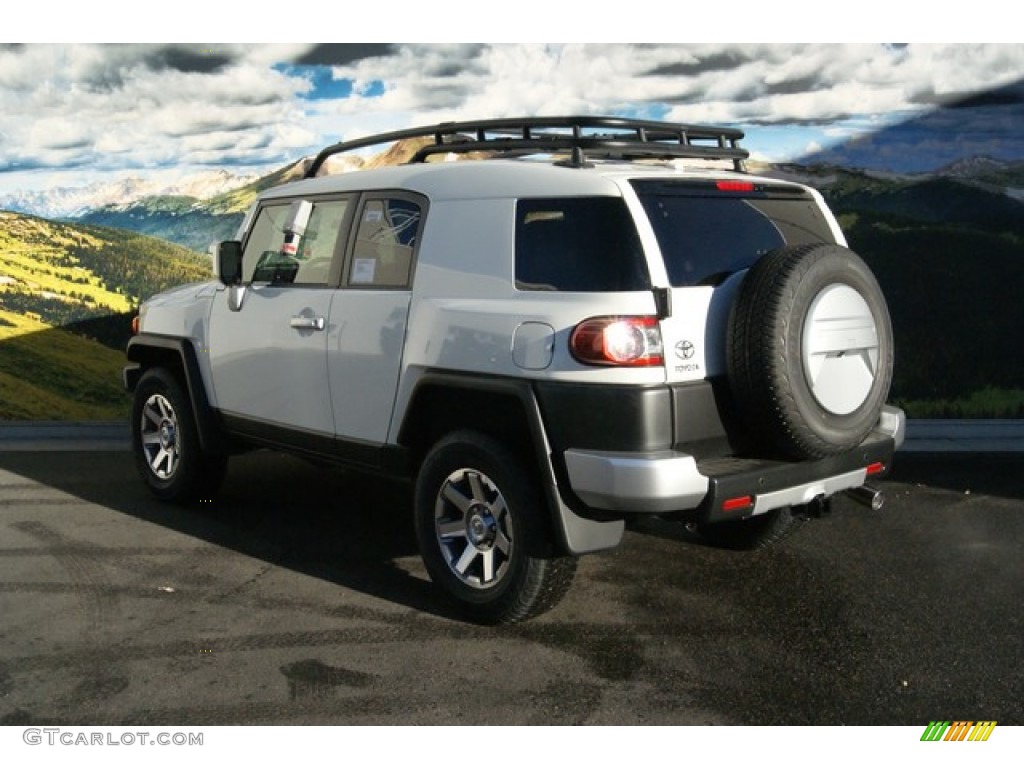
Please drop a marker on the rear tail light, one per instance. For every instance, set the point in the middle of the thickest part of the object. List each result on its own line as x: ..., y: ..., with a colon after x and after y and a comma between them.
x: 613, y: 340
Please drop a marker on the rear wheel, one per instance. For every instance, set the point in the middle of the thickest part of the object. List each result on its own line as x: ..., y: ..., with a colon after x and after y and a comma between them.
x: 482, y: 530
x: 165, y: 441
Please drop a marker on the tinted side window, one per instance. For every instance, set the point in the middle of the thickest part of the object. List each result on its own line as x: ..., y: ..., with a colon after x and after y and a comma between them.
x: 271, y: 255
x: 578, y: 244
x: 706, y: 237
x: 385, y: 243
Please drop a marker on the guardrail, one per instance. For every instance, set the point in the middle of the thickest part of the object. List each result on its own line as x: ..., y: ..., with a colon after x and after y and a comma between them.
x: 964, y: 436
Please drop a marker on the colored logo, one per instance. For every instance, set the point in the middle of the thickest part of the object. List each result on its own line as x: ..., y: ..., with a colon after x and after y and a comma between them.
x: 958, y: 730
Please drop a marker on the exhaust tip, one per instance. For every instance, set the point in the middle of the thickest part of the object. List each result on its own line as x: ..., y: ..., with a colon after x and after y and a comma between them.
x: 872, y: 498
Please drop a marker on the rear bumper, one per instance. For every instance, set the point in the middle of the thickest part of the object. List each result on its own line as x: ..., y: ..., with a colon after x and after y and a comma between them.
x: 716, y: 490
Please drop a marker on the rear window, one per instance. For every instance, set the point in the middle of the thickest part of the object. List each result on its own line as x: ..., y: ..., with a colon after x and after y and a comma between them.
x: 578, y: 244
x: 706, y: 235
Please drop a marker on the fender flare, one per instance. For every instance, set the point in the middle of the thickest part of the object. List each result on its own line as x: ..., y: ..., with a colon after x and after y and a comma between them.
x: 147, y: 350
x: 577, y: 535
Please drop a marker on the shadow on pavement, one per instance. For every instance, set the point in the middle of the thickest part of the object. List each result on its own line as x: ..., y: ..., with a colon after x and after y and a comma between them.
x: 320, y: 521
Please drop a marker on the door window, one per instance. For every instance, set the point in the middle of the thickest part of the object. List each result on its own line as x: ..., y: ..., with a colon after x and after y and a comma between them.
x: 278, y: 252
x: 385, y: 244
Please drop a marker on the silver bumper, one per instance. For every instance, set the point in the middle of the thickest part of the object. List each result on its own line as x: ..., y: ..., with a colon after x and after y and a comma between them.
x: 667, y: 481
x: 630, y: 482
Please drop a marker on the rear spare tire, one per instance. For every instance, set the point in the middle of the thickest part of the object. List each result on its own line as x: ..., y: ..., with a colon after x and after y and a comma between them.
x: 810, y: 351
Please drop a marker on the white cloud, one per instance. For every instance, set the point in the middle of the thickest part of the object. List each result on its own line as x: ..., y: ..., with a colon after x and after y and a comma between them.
x: 150, y: 106
x: 719, y: 83
x: 147, y: 106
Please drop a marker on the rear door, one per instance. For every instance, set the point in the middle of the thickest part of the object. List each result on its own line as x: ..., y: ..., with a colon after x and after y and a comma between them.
x: 367, y: 328
x: 709, y: 234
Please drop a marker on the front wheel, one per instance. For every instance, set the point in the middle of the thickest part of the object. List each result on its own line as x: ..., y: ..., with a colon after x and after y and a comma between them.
x: 483, y: 534
x: 165, y: 441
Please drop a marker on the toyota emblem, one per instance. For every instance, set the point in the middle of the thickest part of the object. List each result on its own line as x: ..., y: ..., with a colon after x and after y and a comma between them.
x: 684, y: 350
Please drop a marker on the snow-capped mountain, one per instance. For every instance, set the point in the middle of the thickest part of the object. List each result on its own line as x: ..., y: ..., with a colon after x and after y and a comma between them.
x: 73, y: 202
x: 973, y: 167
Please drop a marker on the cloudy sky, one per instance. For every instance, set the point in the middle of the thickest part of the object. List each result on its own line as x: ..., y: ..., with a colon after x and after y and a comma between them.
x: 70, y: 114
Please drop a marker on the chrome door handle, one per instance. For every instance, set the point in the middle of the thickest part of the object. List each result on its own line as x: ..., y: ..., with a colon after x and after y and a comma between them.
x: 307, y: 323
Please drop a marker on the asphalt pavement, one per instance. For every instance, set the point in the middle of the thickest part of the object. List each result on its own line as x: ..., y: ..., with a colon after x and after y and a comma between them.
x: 297, y: 597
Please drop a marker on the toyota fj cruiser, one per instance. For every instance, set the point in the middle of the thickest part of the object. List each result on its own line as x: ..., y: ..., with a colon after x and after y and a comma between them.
x: 568, y: 330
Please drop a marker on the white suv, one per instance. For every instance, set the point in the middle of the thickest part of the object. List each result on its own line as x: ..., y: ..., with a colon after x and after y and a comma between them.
x: 569, y: 333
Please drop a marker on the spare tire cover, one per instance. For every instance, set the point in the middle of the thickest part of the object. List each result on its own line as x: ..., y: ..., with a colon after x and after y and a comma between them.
x: 810, y: 351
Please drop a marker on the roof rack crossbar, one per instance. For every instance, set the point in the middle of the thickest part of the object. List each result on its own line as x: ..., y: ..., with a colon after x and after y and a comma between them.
x: 622, y: 137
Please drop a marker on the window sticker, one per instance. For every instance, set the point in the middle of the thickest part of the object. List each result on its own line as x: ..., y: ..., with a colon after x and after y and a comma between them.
x: 363, y: 270
x: 373, y: 215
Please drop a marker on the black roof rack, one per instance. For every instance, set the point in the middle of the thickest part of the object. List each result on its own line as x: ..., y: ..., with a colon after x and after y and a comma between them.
x: 583, y: 137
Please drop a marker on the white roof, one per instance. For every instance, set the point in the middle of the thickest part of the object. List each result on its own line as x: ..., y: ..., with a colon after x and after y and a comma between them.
x: 476, y: 179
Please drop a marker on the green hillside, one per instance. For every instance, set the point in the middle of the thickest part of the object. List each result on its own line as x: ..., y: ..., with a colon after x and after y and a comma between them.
x: 67, y: 293
x: 52, y: 374
x: 949, y: 256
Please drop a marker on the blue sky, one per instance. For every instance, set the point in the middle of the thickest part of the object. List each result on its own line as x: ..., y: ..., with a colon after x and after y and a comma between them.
x: 75, y: 113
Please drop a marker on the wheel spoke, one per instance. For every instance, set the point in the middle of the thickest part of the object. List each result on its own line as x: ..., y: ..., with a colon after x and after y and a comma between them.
x: 488, y: 569
x: 151, y: 438
x: 502, y: 543
x: 451, y: 529
x: 468, y: 556
x: 159, y: 459
x: 454, y: 496
x: 165, y: 409
x: 150, y: 414
x: 499, y: 508
x: 476, y: 486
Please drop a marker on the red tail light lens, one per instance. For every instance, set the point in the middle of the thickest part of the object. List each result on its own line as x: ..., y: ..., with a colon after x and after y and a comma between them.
x: 625, y: 341
x: 735, y: 186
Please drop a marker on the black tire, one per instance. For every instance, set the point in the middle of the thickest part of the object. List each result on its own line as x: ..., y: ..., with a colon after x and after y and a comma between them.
x: 758, y: 532
x: 165, y: 442
x: 484, y: 532
x: 810, y: 351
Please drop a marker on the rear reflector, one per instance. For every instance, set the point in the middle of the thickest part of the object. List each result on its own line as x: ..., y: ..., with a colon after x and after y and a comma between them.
x: 874, y: 469
x: 740, y: 502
